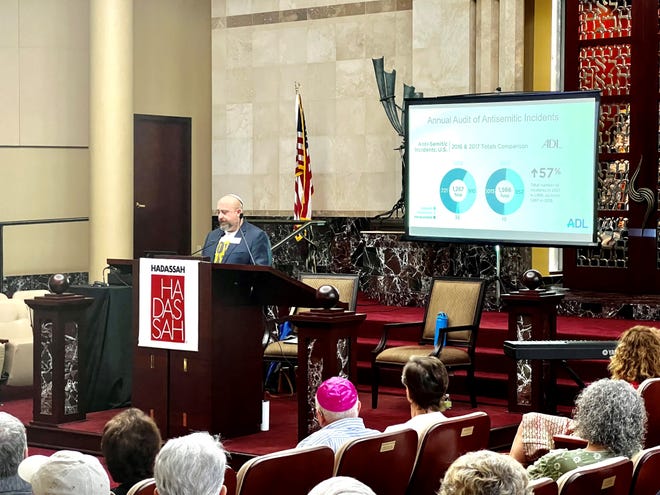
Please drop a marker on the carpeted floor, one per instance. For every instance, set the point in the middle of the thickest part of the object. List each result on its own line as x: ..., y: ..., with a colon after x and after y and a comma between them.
x: 282, y: 434
x: 393, y: 407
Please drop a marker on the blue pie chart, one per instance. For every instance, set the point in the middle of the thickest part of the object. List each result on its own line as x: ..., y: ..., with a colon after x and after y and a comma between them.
x: 458, y: 190
x: 505, y: 191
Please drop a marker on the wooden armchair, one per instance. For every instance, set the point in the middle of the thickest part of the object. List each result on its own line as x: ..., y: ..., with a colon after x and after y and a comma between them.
x: 462, y: 300
x: 346, y: 284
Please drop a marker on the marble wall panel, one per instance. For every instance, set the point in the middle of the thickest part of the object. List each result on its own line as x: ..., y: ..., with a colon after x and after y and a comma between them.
x: 393, y: 271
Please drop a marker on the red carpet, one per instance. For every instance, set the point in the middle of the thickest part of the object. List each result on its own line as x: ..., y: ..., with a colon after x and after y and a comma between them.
x: 393, y: 407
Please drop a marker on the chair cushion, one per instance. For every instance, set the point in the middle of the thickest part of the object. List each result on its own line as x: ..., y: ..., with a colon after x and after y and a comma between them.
x: 450, y: 356
x: 281, y: 349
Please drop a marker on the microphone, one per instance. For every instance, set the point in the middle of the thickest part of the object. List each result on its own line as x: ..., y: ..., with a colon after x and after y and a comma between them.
x: 203, y: 247
x: 247, y: 245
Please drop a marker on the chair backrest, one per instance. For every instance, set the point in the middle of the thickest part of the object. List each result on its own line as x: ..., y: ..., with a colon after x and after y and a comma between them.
x: 345, y: 283
x: 288, y: 472
x: 16, y: 330
x: 569, y: 442
x: 144, y: 487
x: 462, y: 300
x: 230, y: 481
x: 649, y: 389
x: 384, y: 462
x: 29, y: 294
x: 444, y: 442
x: 609, y: 477
x: 9, y: 310
x: 544, y: 486
x: 646, y: 466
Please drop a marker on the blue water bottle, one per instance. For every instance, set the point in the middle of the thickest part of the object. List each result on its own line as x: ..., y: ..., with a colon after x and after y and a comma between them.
x: 440, y: 323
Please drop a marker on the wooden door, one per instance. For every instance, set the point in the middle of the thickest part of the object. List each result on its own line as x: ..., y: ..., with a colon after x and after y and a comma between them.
x: 161, y: 218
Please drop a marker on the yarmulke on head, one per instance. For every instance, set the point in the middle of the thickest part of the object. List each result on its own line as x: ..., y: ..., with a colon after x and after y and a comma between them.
x: 336, y: 394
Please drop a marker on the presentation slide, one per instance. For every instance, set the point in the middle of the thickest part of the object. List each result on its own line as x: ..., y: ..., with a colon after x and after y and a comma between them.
x: 511, y: 168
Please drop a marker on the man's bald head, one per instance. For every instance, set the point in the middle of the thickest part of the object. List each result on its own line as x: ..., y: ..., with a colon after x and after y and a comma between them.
x: 230, y: 208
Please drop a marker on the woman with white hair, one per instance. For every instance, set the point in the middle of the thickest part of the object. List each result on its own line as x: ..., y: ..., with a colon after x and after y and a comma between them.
x: 610, y: 415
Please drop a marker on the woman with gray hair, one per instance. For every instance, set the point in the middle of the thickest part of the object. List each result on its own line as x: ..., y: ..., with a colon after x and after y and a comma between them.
x: 610, y: 416
x: 191, y: 465
x: 485, y: 473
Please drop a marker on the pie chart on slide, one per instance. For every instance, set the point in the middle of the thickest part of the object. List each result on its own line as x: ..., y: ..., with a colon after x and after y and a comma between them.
x: 458, y: 190
x: 505, y: 191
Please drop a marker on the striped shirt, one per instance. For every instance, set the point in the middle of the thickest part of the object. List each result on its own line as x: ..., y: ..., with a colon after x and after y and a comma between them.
x: 338, y: 433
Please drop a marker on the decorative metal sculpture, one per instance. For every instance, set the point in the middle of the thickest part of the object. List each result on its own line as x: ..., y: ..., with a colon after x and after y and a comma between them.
x: 396, y: 115
x: 641, y: 195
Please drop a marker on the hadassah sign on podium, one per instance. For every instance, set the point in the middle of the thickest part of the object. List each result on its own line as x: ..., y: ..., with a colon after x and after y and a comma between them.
x: 169, y: 304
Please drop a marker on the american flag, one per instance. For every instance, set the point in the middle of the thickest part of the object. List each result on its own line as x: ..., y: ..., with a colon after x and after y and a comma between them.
x: 302, y: 206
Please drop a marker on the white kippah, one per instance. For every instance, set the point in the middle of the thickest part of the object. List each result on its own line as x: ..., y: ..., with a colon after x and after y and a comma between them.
x: 236, y: 197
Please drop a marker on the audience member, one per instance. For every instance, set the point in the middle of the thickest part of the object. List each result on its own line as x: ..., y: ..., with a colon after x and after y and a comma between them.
x: 485, y: 473
x: 13, y: 449
x: 129, y: 444
x: 191, y: 465
x: 636, y: 356
x: 341, y: 485
x: 426, y: 382
x: 65, y: 473
x: 236, y: 241
x: 610, y: 416
x: 634, y: 360
x: 337, y: 411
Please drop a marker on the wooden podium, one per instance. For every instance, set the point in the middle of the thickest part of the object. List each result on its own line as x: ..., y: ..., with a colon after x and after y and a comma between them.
x: 327, y: 346
x: 219, y: 388
x: 532, y: 316
x: 58, y: 393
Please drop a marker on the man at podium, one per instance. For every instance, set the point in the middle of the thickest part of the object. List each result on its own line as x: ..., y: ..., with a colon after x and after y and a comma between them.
x: 236, y: 241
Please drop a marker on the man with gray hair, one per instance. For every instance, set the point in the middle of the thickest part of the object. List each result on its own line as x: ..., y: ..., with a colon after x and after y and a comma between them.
x: 337, y: 410
x: 191, y: 465
x: 13, y: 449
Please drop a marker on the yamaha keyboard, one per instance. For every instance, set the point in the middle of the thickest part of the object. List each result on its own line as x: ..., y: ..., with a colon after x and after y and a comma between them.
x: 559, y: 349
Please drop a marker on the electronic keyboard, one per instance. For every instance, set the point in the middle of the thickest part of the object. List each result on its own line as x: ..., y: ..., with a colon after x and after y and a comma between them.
x: 559, y: 349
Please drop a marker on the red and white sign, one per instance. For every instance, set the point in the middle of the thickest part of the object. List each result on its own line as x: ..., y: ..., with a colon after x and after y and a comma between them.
x: 169, y: 304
